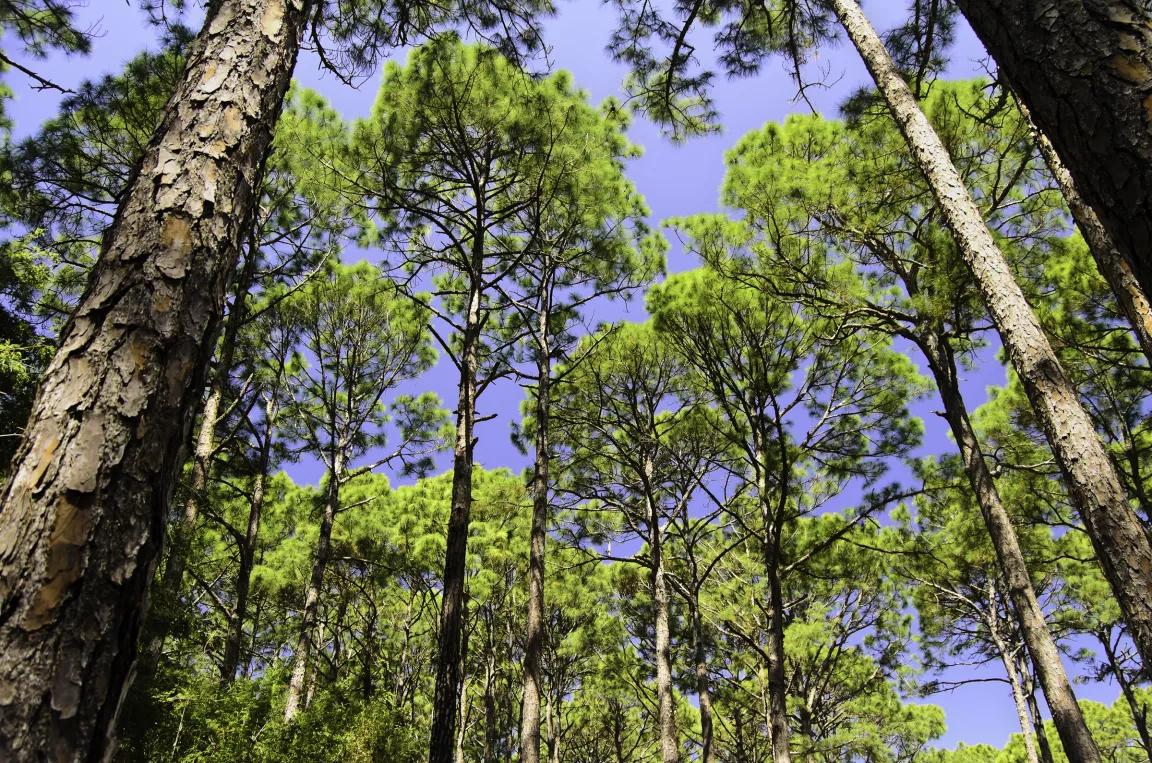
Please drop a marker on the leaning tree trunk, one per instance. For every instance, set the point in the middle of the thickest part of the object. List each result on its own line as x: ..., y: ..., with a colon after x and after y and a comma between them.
x: 82, y: 516
x: 1084, y: 69
x: 173, y: 580
x: 1113, y: 265
x: 310, y: 617
x: 1037, y: 718
x: 1066, y: 713
x: 1027, y: 732
x: 1119, y: 539
x: 534, y: 629
x: 449, y: 668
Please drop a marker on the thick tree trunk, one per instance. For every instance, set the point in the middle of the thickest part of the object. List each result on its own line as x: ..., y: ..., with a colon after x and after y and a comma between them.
x: 1120, y: 541
x: 83, y: 513
x: 1021, y: 595
x: 666, y: 700
x: 248, y: 547
x: 1114, y: 266
x: 1084, y: 69
x: 534, y: 629
x: 310, y: 616
x: 449, y: 669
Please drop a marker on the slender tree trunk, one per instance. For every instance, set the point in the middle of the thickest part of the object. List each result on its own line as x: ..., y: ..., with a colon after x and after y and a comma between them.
x: 1120, y: 541
x: 777, y: 679
x: 703, y: 693
x: 1034, y: 708
x: 1022, y: 713
x: 248, y: 547
x: 780, y: 733
x: 310, y: 616
x: 1114, y: 266
x: 177, y: 556
x: 666, y: 700
x: 82, y: 515
x: 448, y: 666
x: 1021, y: 595
x: 1139, y: 712
x: 534, y: 629
x: 1084, y: 68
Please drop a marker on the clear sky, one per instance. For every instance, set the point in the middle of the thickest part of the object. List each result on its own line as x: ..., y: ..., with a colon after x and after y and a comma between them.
x: 675, y: 180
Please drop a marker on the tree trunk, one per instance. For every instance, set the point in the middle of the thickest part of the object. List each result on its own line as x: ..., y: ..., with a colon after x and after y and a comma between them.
x: 669, y: 742
x: 1120, y: 541
x: 703, y: 693
x: 248, y: 547
x: 83, y: 513
x: 173, y: 580
x: 1022, y: 714
x: 1029, y: 687
x: 1115, y: 267
x: 1021, y: 595
x: 309, y: 617
x: 534, y: 629
x: 448, y: 665
x: 1084, y: 69
x: 1139, y: 712
x: 777, y: 679
x: 780, y: 733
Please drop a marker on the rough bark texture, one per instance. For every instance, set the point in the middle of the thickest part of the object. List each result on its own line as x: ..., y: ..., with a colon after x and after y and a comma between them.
x: 1120, y: 541
x: 1066, y: 715
x: 534, y: 628
x: 449, y: 665
x: 1084, y: 69
x: 310, y: 617
x: 1113, y: 265
x: 83, y: 514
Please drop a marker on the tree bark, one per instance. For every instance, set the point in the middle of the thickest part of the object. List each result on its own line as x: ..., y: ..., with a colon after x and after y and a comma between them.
x: 309, y: 618
x: 1066, y: 713
x: 666, y: 700
x: 780, y: 733
x: 534, y: 629
x: 449, y: 672
x: 1139, y: 712
x: 1037, y: 719
x: 173, y: 580
x: 1114, y: 266
x: 703, y: 692
x: 1084, y: 69
x: 1095, y: 488
x: 83, y: 512
x: 1018, y: 699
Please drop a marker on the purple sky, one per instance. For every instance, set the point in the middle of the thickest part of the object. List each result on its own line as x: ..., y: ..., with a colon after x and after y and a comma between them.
x: 675, y: 180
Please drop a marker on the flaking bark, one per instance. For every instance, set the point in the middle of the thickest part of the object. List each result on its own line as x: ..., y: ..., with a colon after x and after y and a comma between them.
x: 83, y: 513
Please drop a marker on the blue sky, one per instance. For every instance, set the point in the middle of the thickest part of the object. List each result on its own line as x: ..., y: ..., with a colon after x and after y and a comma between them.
x: 675, y: 179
